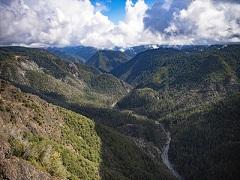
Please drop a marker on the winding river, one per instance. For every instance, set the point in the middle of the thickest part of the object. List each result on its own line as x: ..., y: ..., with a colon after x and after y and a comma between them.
x: 164, y: 155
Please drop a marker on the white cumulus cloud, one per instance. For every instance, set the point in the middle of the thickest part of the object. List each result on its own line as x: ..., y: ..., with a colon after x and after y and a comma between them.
x: 196, y: 22
x: 75, y: 22
x: 50, y: 22
x: 69, y: 22
x: 207, y: 22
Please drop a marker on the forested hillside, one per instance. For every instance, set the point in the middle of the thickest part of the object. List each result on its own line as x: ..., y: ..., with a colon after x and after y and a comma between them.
x: 38, y: 71
x: 195, y: 92
x: 107, y: 60
x: 188, y: 67
x: 207, y: 144
x: 43, y: 141
x: 119, y: 90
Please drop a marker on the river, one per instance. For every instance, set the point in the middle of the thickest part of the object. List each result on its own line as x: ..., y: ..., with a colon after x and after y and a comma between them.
x: 165, y: 157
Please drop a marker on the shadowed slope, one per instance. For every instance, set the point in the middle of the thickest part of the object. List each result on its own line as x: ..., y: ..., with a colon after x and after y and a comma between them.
x: 47, y: 141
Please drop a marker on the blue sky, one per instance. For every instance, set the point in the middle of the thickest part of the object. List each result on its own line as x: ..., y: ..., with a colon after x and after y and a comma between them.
x: 116, y: 8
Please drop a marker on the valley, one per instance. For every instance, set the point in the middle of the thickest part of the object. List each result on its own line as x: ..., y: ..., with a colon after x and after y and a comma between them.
x: 165, y: 154
x: 120, y: 90
x: 142, y: 113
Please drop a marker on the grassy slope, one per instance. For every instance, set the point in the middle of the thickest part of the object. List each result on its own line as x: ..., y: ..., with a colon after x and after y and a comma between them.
x: 64, y: 144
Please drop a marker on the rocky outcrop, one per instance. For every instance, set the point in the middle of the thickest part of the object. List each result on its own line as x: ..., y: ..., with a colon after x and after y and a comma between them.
x: 14, y: 168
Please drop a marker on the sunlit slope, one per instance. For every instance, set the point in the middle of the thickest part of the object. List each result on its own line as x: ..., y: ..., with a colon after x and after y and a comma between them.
x: 40, y: 140
x: 46, y: 74
x: 190, y: 67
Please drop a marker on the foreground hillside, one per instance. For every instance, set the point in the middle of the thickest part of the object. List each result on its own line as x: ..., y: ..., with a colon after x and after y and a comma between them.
x: 40, y: 72
x: 42, y: 141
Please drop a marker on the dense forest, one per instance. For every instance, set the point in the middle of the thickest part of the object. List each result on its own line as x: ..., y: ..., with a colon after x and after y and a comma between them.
x: 107, y: 60
x: 195, y: 92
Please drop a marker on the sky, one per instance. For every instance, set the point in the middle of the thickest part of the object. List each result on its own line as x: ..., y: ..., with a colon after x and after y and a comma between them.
x: 122, y: 23
x: 115, y: 9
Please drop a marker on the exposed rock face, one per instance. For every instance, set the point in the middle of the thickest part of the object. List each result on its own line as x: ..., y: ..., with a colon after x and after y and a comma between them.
x: 14, y: 168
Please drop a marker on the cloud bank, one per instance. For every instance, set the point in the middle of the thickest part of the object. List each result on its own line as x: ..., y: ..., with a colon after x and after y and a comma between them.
x: 78, y: 22
x: 198, y: 22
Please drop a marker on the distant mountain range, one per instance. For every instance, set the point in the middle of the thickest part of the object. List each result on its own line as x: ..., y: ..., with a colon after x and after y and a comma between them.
x: 74, y: 53
x: 133, y: 51
x: 189, y: 67
x: 107, y: 60
x: 84, y: 53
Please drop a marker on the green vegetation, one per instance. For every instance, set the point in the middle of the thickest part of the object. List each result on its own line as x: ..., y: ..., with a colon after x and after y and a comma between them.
x: 106, y: 60
x: 207, y: 144
x: 47, y: 75
x: 68, y: 145
x: 107, y: 83
x: 192, y: 92
x: 165, y: 105
x: 125, y: 122
x: 169, y: 68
